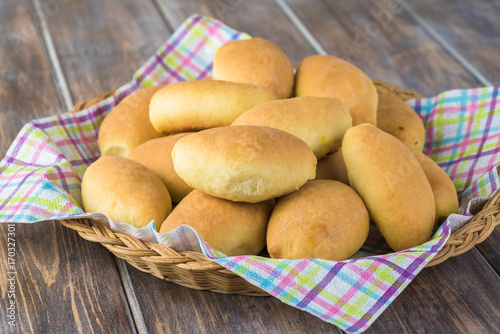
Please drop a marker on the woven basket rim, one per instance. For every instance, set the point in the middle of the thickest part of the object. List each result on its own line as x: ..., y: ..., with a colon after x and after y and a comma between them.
x: 194, y: 270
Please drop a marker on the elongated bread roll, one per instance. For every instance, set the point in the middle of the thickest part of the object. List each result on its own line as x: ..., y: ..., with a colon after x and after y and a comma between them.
x: 393, y: 186
x: 328, y: 76
x: 128, y: 125
x: 234, y: 228
x: 319, y: 121
x: 445, y: 194
x: 156, y: 155
x: 244, y: 163
x: 203, y: 104
x: 255, y: 61
x: 394, y: 116
x: 125, y: 191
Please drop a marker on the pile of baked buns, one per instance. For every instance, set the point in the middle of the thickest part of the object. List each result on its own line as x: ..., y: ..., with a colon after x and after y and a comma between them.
x: 259, y: 155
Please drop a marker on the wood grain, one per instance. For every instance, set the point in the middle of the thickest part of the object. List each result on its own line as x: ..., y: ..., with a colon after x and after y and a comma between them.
x: 385, y: 42
x: 258, y: 18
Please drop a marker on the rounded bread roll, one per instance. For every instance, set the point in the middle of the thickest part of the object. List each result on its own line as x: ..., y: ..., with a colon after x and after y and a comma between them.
x: 156, y: 155
x: 234, y: 228
x: 396, y: 117
x: 203, y: 104
x: 125, y: 191
x: 323, y: 219
x: 244, y: 163
x: 128, y: 125
x: 328, y: 76
x: 255, y: 61
x: 319, y: 121
x: 393, y: 186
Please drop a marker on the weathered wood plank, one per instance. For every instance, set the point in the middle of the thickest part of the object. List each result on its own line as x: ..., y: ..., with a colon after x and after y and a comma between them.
x: 471, y: 32
x: 261, y: 18
x: 26, y: 86
x: 100, y: 44
x: 385, y: 41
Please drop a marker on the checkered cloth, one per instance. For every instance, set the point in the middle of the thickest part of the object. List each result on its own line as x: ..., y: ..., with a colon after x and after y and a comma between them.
x: 41, y: 176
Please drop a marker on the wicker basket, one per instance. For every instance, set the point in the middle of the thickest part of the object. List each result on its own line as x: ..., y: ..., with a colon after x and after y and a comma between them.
x: 194, y: 270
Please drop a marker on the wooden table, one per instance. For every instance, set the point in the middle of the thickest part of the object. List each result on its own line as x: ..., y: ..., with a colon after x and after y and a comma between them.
x: 54, y: 53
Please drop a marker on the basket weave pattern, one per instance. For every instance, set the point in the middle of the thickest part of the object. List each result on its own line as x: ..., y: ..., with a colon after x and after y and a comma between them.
x: 194, y: 270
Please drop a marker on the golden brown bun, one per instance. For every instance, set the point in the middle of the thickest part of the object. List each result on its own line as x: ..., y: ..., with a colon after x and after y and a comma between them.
x: 255, y: 61
x: 392, y: 185
x: 396, y: 117
x: 125, y: 191
x: 202, y: 104
x: 332, y: 167
x: 324, y: 219
x: 244, y: 163
x: 445, y: 194
x: 319, y: 121
x: 328, y: 76
x: 234, y: 228
x: 156, y: 155
x: 128, y: 125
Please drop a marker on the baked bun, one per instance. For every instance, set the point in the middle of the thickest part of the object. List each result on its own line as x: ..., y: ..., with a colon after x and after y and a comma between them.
x: 203, y: 104
x: 324, y: 219
x: 393, y: 186
x: 255, y: 61
x: 244, y: 163
x: 332, y: 167
x: 445, y: 194
x: 328, y: 76
x: 234, y: 228
x: 125, y: 191
x: 128, y: 125
x: 396, y: 117
x: 156, y: 155
x: 319, y: 121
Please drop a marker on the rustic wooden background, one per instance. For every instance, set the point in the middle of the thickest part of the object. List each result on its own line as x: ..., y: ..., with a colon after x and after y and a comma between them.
x: 54, y: 53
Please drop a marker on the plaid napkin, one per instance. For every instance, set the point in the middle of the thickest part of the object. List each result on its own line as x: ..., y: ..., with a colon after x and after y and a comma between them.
x: 41, y: 174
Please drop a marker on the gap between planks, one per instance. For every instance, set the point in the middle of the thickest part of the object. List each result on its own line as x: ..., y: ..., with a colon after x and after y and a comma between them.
x: 57, y: 73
